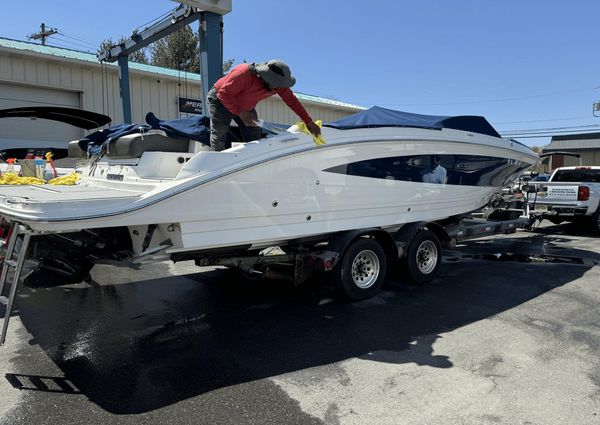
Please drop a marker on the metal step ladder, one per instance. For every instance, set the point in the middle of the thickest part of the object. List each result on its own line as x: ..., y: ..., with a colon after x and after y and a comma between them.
x: 15, y: 230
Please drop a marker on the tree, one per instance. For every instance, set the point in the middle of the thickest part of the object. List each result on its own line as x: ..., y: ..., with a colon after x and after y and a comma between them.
x: 227, y: 65
x: 178, y: 50
x: 138, y: 56
x: 537, y: 149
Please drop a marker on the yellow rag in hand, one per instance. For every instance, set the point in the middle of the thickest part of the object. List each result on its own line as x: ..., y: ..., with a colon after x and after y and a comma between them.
x: 302, y: 127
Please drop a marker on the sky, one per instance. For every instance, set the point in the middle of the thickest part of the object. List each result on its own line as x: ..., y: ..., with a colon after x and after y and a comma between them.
x: 523, y: 64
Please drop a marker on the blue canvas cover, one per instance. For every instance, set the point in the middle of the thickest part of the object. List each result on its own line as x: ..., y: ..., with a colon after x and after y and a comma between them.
x: 382, y: 117
x: 194, y: 128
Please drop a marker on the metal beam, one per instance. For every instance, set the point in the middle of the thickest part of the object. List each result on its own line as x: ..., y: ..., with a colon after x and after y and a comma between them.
x: 211, y: 52
x: 124, y: 88
x: 181, y: 16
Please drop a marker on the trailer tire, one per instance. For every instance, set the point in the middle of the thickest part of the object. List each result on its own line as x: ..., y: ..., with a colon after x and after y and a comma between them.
x: 362, y: 269
x: 424, y: 256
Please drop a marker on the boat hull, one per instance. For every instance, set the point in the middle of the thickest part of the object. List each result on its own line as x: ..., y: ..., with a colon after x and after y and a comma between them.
x: 304, y: 192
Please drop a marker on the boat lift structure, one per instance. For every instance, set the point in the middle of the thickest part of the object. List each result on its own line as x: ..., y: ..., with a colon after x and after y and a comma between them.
x: 208, y: 12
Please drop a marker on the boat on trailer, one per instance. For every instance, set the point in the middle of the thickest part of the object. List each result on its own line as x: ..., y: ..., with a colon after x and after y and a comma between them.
x: 150, y: 197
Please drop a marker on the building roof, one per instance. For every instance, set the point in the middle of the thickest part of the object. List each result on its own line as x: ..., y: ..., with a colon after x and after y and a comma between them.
x: 574, y: 142
x: 63, y: 53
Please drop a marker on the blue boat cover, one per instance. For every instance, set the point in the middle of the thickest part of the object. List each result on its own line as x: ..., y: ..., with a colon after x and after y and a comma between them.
x: 382, y: 117
x: 194, y: 128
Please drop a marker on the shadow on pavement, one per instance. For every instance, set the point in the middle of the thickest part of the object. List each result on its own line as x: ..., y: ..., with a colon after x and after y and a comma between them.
x: 139, y: 346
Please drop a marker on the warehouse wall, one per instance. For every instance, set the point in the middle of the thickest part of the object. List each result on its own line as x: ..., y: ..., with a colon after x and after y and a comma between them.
x: 99, y: 86
x: 588, y: 157
x: 99, y: 89
x: 275, y: 110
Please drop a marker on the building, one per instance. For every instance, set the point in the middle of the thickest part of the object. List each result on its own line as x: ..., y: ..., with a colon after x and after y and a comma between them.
x: 587, y: 145
x: 32, y: 74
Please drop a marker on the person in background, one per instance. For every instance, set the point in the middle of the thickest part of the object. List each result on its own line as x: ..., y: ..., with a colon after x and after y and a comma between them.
x: 236, y: 95
x: 437, y: 173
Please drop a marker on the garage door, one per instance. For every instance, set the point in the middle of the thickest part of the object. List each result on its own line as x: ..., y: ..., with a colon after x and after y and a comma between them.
x: 23, y: 132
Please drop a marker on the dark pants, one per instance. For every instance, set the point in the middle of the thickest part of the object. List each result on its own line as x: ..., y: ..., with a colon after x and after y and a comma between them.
x: 220, y: 122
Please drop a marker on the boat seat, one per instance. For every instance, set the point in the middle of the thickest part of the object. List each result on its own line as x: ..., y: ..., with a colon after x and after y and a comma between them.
x: 134, y: 145
x: 74, y: 151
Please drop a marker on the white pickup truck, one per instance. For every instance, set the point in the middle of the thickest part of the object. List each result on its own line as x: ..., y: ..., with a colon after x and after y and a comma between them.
x: 570, y: 194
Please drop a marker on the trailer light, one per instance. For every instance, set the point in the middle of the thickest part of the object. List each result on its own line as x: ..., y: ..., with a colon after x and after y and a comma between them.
x: 319, y: 263
x: 583, y: 193
x: 328, y: 265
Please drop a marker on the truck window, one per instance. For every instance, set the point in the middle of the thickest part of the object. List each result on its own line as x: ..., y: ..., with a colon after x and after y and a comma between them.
x: 583, y: 175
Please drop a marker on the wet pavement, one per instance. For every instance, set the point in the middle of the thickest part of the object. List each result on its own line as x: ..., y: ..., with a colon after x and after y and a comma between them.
x: 509, y: 333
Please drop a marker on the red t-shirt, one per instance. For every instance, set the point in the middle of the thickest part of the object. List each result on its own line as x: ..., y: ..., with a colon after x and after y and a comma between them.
x: 241, y: 90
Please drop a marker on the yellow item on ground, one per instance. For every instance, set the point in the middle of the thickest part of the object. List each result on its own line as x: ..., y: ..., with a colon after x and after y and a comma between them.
x: 13, y: 178
x: 317, y: 139
x: 69, y: 179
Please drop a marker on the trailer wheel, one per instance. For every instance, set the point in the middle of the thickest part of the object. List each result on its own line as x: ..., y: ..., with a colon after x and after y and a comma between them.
x: 424, y: 257
x: 362, y: 270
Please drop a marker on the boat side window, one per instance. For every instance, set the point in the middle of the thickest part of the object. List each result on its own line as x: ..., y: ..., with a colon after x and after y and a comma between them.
x: 470, y: 170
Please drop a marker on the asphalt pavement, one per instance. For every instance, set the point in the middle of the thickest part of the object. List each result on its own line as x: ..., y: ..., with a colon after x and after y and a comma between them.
x: 509, y: 333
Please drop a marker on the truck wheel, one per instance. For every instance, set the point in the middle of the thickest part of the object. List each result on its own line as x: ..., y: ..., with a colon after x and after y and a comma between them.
x: 424, y: 257
x: 596, y: 221
x: 362, y: 270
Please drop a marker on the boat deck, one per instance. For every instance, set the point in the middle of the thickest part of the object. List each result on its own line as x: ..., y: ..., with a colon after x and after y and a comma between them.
x: 35, y: 201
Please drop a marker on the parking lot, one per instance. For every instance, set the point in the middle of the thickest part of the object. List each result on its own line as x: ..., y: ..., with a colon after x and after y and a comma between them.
x: 496, y: 339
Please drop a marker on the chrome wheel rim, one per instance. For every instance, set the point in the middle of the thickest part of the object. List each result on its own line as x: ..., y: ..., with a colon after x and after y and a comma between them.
x: 427, y: 257
x: 365, y: 269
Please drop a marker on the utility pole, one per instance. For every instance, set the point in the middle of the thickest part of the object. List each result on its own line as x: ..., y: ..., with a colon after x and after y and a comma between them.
x: 43, y: 34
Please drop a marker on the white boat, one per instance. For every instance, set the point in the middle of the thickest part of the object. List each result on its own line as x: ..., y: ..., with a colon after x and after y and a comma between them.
x: 153, y: 197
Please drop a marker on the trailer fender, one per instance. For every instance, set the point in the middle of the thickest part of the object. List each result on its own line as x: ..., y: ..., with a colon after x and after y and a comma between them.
x: 339, y: 243
x: 405, y: 235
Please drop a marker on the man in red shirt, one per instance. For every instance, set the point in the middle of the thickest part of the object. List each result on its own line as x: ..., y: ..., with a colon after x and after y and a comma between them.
x: 235, y: 96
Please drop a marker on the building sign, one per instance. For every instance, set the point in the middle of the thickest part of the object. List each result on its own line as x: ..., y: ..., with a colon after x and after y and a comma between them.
x: 190, y: 106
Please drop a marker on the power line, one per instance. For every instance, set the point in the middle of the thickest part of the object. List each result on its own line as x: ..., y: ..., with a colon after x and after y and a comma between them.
x: 73, y: 43
x: 151, y: 23
x: 507, y: 99
x: 551, y: 129
x: 82, y: 40
x: 544, y: 120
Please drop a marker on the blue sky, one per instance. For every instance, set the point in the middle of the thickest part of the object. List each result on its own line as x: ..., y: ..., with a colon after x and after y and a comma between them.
x: 521, y: 64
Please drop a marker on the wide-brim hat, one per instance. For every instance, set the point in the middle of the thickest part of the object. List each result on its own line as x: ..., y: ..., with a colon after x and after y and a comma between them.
x: 276, y: 73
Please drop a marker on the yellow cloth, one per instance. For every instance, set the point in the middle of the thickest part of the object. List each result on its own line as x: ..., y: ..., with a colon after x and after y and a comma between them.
x: 317, y: 139
x: 67, y: 180
x: 13, y: 178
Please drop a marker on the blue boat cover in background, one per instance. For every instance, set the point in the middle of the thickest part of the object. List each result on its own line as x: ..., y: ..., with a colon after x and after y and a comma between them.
x: 382, y: 117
